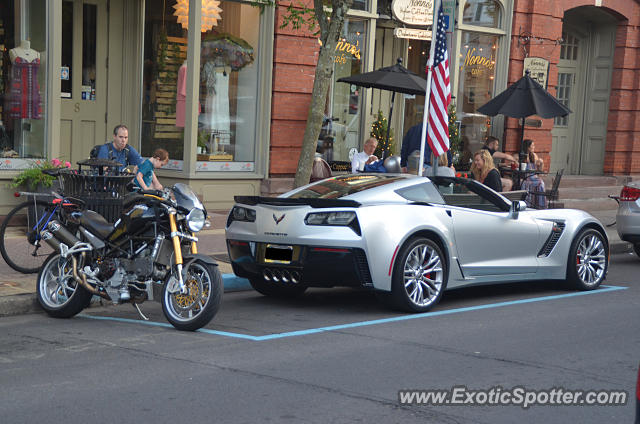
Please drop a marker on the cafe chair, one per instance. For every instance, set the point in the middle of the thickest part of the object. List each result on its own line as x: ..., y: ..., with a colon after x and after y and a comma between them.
x: 551, y: 195
x: 320, y: 170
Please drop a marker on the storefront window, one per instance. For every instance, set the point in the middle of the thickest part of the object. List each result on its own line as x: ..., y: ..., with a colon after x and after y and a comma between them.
x: 22, y: 82
x: 228, y: 90
x: 228, y: 84
x: 417, y: 56
x: 341, y: 126
x: 475, y: 88
x: 484, y: 13
x: 165, y: 52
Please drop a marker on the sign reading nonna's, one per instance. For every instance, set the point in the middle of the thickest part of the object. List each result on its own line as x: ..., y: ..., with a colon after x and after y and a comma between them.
x: 413, y: 12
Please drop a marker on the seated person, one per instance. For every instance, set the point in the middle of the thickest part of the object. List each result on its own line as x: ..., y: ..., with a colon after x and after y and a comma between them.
x: 119, y: 149
x: 146, y: 178
x: 533, y: 182
x: 443, y: 168
x: 365, y: 157
x: 491, y: 144
x: 485, y: 171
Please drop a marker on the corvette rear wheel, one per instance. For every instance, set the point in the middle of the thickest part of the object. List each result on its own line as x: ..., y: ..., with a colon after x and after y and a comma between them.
x: 419, y: 277
x: 269, y: 288
x: 588, y: 260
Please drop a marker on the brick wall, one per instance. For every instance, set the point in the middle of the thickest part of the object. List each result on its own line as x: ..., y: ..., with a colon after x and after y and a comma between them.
x: 543, y: 19
x: 294, y: 66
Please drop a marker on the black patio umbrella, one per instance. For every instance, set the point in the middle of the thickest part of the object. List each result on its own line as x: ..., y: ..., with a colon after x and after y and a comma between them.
x: 524, y: 98
x: 396, y: 79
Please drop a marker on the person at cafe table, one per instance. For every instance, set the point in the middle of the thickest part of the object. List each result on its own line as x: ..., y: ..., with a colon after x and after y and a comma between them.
x: 533, y: 183
x: 485, y: 171
x: 366, y: 156
x: 491, y: 144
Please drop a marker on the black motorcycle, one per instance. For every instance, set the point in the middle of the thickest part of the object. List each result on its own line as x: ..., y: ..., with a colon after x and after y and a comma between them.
x: 149, y: 253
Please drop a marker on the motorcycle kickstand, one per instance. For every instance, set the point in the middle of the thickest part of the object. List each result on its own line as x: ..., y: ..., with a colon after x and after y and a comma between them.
x: 140, y: 312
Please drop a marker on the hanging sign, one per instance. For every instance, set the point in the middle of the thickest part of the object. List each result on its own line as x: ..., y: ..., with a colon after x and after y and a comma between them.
x: 538, y: 69
x: 413, y: 12
x: 412, y: 33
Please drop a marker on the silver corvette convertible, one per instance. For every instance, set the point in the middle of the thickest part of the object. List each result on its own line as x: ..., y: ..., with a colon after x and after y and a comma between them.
x: 409, y: 238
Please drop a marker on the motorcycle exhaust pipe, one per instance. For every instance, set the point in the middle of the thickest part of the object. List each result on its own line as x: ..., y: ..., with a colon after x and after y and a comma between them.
x: 81, y: 278
x: 62, y: 234
x: 48, y: 237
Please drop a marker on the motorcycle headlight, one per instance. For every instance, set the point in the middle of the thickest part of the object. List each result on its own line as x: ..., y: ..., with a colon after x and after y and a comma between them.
x: 195, y: 220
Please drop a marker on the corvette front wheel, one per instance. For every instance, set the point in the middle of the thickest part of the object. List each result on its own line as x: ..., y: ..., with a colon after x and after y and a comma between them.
x: 588, y: 260
x: 419, y: 276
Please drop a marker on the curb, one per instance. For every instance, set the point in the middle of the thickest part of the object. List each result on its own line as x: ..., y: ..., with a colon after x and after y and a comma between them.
x: 620, y: 247
x: 27, y: 303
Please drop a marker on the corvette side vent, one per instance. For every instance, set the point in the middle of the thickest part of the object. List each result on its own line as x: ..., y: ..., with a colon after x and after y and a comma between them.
x: 556, y: 232
x: 363, y: 267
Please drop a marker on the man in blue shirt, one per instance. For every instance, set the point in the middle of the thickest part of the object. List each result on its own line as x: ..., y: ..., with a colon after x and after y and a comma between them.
x: 119, y: 150
x: 411, y: 142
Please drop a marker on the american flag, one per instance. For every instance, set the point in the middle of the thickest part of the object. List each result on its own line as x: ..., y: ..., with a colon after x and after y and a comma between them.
x: 438, y: 133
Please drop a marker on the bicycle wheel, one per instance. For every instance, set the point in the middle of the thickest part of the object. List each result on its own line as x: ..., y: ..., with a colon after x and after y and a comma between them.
x: 20, y: 243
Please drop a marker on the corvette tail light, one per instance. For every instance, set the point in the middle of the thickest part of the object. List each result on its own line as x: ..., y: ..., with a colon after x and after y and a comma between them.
x: 629, y: 194
x: 238, y: 213
x: 334, y: 219
x: 638, y: 386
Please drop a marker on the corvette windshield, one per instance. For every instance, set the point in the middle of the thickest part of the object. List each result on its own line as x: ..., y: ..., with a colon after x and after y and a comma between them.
x: 340, y: 186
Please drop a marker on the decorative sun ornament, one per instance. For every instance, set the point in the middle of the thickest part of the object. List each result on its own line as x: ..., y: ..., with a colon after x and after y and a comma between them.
x: 210, y: 14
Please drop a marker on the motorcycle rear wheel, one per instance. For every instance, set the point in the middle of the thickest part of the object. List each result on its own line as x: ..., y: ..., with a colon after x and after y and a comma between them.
x: 194, y: 310
x: 59, y: 293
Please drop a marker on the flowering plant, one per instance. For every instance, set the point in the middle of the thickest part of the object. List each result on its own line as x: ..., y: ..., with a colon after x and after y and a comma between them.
x: 32, y: 177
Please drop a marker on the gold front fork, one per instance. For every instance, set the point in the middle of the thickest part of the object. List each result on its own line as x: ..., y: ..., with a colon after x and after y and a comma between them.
x: 176, y: 249
x: 174, y: 238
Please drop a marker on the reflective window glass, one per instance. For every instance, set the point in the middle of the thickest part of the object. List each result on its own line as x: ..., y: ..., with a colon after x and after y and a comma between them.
x: 341, y: 126
x: 477, y: 65
x: 23, y: 77
x: 484, y: 13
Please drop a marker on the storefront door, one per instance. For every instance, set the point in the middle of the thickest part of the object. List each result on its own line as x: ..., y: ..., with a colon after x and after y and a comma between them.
x: 83, y: 77
x: 584, y: 85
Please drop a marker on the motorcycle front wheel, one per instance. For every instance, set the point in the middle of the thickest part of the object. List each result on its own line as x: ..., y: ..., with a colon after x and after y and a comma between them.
x: 59, y: 293
x: 196, y: 308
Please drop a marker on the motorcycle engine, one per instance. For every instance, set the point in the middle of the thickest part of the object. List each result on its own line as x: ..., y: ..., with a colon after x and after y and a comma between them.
x: 107, y: 268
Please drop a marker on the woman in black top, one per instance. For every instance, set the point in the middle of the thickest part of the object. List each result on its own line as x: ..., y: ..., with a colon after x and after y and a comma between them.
x: 485, y: 171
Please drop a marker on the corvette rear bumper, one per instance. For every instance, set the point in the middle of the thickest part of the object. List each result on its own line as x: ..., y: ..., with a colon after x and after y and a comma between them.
x: 313, y: 266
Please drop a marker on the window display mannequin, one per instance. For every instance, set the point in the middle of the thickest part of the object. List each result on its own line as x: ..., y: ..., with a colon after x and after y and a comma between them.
x: 216, y: 107
x: 181, y: 95
x: 23, y: 100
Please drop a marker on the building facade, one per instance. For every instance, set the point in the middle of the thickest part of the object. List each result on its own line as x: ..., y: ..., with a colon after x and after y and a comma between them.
x: 229, y: 101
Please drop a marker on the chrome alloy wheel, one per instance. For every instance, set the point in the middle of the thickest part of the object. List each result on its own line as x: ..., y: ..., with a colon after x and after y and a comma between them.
x: 591, y: 259
x: 57, y: 284
x: 423, y: 275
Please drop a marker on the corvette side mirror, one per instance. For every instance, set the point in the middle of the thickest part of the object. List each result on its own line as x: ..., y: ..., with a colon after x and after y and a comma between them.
x: 516, y: 207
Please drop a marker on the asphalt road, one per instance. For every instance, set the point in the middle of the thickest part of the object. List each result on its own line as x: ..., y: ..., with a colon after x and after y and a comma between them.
x: 333, y: 356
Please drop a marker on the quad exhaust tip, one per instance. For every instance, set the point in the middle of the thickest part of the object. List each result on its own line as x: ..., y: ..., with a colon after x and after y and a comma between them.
x: 280, y: 275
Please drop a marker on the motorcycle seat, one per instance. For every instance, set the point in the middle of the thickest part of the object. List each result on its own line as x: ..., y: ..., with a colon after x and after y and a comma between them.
x: 96, y: 223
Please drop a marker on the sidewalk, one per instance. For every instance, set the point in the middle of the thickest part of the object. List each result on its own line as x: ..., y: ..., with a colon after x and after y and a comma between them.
x: 18, y: 291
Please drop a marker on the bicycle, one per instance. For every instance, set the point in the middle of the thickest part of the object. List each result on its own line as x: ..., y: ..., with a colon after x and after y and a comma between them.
x: 20, y: 243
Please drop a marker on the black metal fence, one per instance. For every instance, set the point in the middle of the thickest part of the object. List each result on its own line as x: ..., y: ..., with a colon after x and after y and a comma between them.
x: 103, y: 193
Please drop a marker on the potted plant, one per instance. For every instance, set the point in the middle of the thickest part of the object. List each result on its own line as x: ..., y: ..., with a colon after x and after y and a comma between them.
x: 33, y: 178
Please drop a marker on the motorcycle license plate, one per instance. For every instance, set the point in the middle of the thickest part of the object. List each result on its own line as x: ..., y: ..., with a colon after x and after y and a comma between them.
x: 275, y: 253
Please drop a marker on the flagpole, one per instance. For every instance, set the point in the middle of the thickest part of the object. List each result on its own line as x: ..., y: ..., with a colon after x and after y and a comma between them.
x: 425, y: 113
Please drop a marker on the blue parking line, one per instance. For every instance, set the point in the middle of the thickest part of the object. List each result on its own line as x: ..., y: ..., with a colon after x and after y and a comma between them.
x: 603, y: 289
